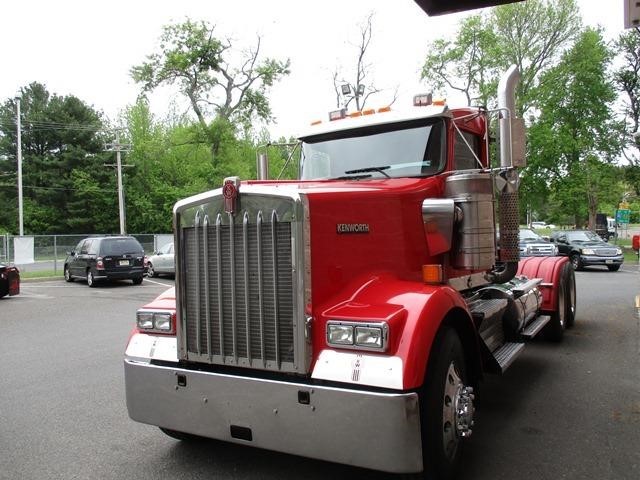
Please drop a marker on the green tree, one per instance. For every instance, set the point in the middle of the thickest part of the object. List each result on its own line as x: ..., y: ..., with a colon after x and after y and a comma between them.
x: 232, y: 90
x: 572, y: 143
x: 627, y: 80
x: 467, y: 63
x: 531, y: 35
x: 61, y: 137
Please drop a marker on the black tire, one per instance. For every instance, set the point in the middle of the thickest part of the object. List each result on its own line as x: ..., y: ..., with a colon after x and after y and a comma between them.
x: 183, y: 437
x: 150, y: 271
x: 576, y: 262
x: 91, y: 281
x: 444, y: 387
x: 67, y: 275
x: 613, y: 268
x: 570, y: 282
x: 554, y: 330
x: 137, y: 280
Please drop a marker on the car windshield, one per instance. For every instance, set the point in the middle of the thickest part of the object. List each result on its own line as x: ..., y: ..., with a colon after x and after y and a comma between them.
x: 406, y: 149
x: 120, y: 246
x: 528, y: 236
x: 582, y: 236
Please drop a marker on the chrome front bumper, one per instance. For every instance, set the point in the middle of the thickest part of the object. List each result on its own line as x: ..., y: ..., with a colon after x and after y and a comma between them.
x: 380, y: 431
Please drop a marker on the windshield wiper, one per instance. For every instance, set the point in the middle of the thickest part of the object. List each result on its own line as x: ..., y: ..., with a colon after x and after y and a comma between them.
x: 351, y: 177
x: 371, y: 169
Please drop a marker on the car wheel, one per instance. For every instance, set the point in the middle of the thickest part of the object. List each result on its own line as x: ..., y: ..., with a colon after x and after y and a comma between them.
x: 137, y: 280
x: 576, y: 262
x: 150, y: 271
x: 67, y: 275
x: 90, y: 280
x: 446, y: 406
x: 613, y: 268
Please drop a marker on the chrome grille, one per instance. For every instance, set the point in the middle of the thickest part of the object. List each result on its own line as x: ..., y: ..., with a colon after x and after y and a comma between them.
x: 539, y: 250
x: 237, y: 278
x: 606, y: 252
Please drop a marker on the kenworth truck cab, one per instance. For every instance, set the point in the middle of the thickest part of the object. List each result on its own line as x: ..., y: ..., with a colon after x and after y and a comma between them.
x: 349, y: 315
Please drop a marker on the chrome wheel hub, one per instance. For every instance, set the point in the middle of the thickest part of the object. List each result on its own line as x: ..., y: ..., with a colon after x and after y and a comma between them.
x: 457, y: 410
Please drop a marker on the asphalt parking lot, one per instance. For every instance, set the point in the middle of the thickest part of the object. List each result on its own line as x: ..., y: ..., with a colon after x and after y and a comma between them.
x: 569, y: 411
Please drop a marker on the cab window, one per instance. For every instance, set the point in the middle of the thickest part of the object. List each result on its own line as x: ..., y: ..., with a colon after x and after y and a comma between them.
x: 463, y: 156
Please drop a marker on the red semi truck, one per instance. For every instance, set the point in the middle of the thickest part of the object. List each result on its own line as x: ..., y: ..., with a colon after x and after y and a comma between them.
x: 349, y: 315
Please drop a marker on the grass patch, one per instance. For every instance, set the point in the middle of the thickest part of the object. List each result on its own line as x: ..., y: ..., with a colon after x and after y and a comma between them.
x: 40, y: 274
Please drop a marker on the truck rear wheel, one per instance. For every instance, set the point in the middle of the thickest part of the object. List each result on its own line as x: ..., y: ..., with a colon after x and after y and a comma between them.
x: 571, y: 296
x: 564, y: 316
x: 446, y: 404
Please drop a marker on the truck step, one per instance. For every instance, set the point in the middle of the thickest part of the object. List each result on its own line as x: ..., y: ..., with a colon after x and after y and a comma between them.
x: 534, y: 327
x: 507, y: 353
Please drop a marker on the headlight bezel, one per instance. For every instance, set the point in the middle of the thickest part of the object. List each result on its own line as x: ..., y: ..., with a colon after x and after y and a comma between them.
x: 588, y: 251
x: 345, y: 334
x: 156, y: 321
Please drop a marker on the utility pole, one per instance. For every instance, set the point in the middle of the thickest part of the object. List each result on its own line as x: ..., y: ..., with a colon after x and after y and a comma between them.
x: 19, y: 157
x: 118, y: 148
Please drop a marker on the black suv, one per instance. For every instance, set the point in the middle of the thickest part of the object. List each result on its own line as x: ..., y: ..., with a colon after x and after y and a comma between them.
x: 584, y: 248
x: 105, y: 258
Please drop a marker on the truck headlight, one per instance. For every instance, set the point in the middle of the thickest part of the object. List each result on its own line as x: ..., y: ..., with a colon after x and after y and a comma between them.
x: 155, y: 321
x: 354, y: 335
x: 339, y: 334
x: 144, y: 320
x: 618, y: 251
x: 162, y: 321
x: 588, y: 251
x: 369, y: 337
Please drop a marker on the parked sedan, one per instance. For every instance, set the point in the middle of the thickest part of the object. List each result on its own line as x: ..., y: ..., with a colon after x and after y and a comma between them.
x: 162, y: 262
x: 9, y: 280
x: 585, y: 248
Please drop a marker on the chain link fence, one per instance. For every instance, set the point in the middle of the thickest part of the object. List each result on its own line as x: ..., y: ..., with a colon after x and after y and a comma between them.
x: 50, y: 251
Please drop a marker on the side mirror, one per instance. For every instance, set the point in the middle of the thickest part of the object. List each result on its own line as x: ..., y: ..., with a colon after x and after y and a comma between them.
x: 71, y: 253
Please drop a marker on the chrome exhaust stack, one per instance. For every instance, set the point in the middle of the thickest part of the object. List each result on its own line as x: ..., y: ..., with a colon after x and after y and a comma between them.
x: 507, y: 181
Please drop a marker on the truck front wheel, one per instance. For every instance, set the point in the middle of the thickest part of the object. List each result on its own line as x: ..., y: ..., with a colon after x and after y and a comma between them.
x: 185, y: 437
x: 446, y: 406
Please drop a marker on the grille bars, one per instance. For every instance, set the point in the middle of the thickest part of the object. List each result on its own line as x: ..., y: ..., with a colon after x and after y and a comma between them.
x: 239, y: 264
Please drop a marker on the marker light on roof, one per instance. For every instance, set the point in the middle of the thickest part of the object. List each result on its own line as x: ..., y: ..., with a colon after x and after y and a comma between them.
x: 441, y: 102
x: 338, y: 114
x: 422, y: 100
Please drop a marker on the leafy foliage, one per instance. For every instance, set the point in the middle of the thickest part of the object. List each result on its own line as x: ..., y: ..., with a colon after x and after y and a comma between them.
x: 572, y: 143
x: 199, y: 63
x: 62, y: 141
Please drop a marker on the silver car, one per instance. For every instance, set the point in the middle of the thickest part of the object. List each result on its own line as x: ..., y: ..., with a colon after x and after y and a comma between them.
x: 162, y: 262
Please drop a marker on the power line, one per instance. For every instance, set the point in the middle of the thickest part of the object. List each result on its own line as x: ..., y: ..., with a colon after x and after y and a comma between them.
x: 34, y: 187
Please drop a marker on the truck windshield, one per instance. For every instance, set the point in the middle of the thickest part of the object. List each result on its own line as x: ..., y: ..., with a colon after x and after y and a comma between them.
x: 407, y: 149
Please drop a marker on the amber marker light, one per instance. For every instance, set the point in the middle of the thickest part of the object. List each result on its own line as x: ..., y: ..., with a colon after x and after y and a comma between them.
x: 432, y: 274
x: 441, y: 102
x: 384, y: 109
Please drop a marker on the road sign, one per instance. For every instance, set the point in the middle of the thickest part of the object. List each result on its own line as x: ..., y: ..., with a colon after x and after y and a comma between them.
x: 622, y: 216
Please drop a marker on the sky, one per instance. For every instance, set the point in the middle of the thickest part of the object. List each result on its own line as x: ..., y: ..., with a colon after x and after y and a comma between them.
x: 86, y: 49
